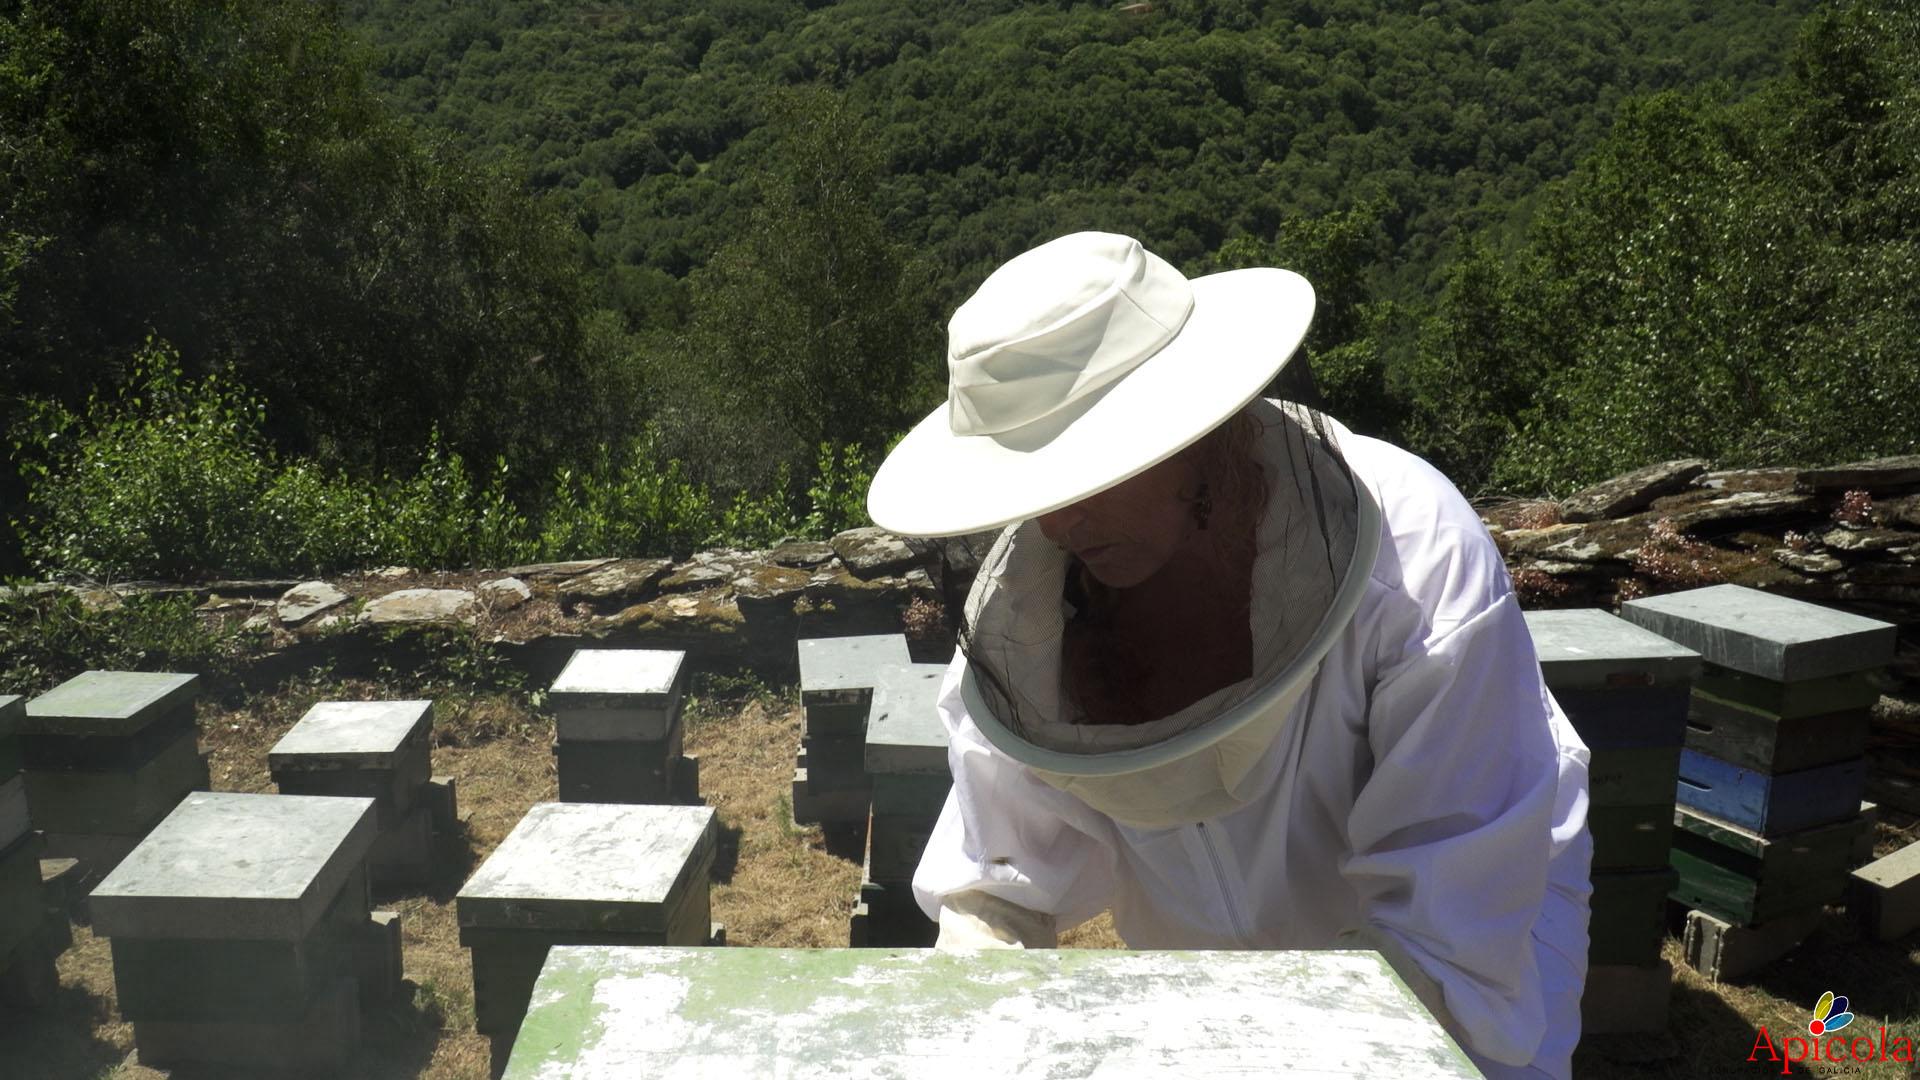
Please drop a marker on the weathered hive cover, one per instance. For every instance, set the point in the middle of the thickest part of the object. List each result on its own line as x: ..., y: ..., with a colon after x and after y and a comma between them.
x: 114, y: 703
x: 1591, y: 649
x: 614, y: 695
x: 843, y: 670
x: 227, y: 865
x: 904, y: 733
x: 1773, y: 637
x: 367, y: 734
x: 591, y: 866
x: 601, y: 1013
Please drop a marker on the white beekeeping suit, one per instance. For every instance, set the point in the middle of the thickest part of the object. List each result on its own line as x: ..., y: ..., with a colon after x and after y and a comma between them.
x: 1423, y: 796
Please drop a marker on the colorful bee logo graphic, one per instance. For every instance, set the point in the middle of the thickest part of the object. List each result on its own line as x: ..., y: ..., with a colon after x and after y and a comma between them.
x: 1829, y: 1014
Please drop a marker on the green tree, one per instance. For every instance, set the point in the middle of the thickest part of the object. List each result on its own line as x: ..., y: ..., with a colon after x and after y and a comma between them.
x: 814, y: 326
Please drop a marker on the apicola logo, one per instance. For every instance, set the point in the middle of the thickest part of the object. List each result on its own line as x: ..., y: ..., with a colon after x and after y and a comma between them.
x: 1830, y: 1014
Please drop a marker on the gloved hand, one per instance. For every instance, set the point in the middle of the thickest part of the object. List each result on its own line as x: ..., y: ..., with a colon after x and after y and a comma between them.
x: 978, y: 920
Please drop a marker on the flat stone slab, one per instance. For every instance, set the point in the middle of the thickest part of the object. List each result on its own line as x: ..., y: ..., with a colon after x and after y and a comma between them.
x: 1745, y: 508
x: 904, y: 733
x: 618, y: 695
x: 409, y: 606
x: 843, y: 670
x: 591, y: 866
x: 357, y: 734
x: 598, y: 1013
x: 1626, y: 494
x: 504, y: 594
x: 873, y: 552
x: 627, y: 579
x: 226, y: 865
x: 1879, y: 474
x: 304, y: 601
x: 1591, y: 649
x: 13, y: 709
x: 1773, y: 637
x: 114, y: 703
x: 555, y: 569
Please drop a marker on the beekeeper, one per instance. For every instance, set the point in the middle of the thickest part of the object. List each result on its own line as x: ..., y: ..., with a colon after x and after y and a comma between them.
x: 1237, y: 675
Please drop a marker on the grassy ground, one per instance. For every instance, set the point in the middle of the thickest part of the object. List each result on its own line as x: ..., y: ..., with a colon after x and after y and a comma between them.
x: 778, y: 885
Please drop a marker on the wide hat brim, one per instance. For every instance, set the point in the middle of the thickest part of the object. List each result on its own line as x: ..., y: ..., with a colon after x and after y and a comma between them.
x: 1244, y: 327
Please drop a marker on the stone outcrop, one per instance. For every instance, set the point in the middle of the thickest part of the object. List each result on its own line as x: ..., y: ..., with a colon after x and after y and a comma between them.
x: 421, y: 606
x: 1795, y: 531
x: 1624, y: 495
x: 303, y: 602
x: 1848, y: 536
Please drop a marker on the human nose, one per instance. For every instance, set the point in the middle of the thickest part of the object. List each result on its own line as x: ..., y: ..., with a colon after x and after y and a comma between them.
x: 1058, y: 525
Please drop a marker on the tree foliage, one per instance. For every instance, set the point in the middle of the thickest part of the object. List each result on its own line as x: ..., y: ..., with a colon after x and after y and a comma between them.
x: 1738, y: 280
x: 216, y: 173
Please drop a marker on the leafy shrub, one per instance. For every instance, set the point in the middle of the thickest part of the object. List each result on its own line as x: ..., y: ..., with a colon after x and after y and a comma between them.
x: 627, y: 503
x: 49, y: 637
x: 161, y: 479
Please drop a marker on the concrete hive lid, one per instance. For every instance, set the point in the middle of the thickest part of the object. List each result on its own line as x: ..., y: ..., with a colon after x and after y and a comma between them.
x: 1773, y: 637
x: 591, y: 866
x: 618, y: 677
x: 108, y: 702
x: 364, y: 733
x: 904, y: 733
x: 1582, y: 649
x: 600, y: 1013
x: 834, y: 668
x: 228, y: 865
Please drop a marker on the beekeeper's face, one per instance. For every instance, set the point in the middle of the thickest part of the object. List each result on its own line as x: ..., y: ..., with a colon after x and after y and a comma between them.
x: 1132, y: 530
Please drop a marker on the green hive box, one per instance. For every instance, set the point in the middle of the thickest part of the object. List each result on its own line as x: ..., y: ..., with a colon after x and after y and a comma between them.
x: 1748, y: 879
x: 603, y: 1013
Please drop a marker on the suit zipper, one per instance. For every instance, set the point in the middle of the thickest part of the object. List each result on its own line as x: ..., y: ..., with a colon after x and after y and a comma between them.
x: 1240, y: 933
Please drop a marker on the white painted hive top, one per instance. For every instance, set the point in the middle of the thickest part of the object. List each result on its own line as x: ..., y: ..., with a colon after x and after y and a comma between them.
x: 1589, y: 647
x: 643, y: 672
x: 365, y: 730
x: 109, y: 702
x: 904, y: 732
x: 600, y: 1013
x: 589, y: 854
x: 235, y: 865
x: 848, y: 663
x: 1773, y: 637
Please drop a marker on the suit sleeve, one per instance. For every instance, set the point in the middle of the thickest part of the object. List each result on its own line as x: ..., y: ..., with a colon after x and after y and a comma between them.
x: 1450, y: 837
x: 1006, y: 833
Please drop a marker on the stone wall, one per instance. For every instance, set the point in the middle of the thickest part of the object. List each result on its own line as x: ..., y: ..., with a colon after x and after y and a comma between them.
x: 1847, y: 535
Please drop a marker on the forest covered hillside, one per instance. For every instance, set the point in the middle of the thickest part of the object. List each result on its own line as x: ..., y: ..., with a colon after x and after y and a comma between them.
x: 1001, y: 124
x: 289, y: 286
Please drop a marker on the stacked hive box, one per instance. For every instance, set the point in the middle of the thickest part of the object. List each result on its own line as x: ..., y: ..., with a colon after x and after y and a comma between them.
x: 837, y: 677
x: 31, y: 932
x: 1772, y: 776
x: 1625, y: 691
x: 242, y: 932
x: 107, y: 755
x: 618, y: 733
x: 817, y: 1014
x: 378, y: 750
x: 906, y: 758
x: 581, y: 874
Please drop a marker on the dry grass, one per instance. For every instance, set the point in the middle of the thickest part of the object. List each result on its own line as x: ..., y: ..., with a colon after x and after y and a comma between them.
x: 778, y: 885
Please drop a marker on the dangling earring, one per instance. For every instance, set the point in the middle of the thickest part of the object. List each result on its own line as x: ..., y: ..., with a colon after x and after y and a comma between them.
x: 1202, y: 507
